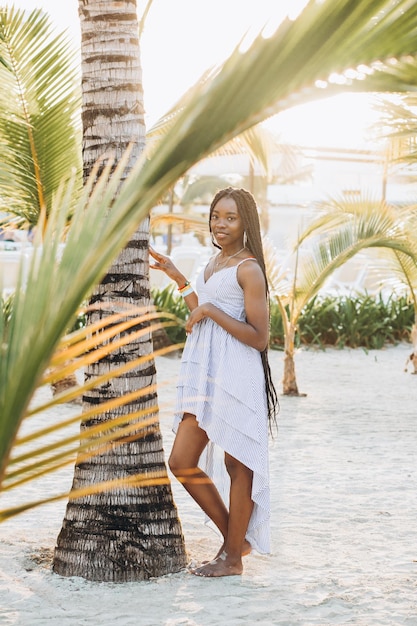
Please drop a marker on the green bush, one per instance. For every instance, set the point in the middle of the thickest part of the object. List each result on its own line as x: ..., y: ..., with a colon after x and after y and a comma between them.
x: 346, y: 321
x: 169, y: 302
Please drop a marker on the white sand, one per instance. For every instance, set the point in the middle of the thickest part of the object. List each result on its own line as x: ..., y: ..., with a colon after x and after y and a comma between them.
x: 344, y: 518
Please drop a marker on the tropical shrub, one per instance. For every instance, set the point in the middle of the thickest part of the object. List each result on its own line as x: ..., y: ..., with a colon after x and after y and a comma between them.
x: 349, y: 321
x: 165, y: 300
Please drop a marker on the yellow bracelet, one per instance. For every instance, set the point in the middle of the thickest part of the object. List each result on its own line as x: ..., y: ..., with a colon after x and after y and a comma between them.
x: 185, y: 285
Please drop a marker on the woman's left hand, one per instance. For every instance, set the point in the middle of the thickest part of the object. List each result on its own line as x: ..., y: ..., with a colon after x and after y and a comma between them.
x: 197, y: 315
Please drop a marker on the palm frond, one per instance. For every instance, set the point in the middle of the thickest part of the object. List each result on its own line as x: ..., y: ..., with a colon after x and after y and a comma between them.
x: 397, y: 123
x: 145, y: 479
x: 403, y: 273
x: 188, y: 223
x: 255, y: 142
x: 335, y: 212
x: 294, y: 65
x: 278, y: 279
x: 39, y: 121
x: 379, y: 230
x: 41, y: 448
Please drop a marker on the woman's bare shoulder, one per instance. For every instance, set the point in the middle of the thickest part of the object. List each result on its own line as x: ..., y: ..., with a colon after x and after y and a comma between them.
x: 249, y: 270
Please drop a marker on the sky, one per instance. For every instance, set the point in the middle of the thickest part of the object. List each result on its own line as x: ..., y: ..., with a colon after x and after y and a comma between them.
x: 183, y: 38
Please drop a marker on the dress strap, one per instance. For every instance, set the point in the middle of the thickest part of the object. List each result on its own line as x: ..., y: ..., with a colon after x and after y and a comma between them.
x: 249, y: 258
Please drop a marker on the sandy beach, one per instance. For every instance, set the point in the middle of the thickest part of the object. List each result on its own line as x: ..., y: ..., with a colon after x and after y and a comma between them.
x: 344, y: 518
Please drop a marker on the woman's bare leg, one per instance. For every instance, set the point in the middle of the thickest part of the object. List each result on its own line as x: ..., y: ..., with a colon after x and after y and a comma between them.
x: 189, y: 443
x: 229, y: 562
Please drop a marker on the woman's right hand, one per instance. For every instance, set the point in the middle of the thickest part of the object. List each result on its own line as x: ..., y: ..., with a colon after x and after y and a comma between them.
x: 164, y: 263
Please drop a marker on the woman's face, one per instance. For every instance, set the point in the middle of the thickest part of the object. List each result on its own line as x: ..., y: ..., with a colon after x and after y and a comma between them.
x: 226, y: 223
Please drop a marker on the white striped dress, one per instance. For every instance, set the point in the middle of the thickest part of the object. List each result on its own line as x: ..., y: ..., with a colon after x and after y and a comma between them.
x: 222, y: 383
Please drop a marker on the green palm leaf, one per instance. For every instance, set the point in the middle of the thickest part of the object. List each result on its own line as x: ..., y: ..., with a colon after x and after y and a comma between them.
x: 381, y: 229
x: 49, y: 447
x: 367, y: 219
x: 336, y: 212
x: 256, y: 142
x: 39, y: 103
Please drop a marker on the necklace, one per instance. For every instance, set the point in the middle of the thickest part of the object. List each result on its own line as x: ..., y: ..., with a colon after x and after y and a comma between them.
x: 218, y: 264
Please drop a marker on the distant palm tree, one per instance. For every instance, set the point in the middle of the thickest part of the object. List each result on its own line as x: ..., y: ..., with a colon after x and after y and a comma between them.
x: 400, y: 264
x: 343, y: 229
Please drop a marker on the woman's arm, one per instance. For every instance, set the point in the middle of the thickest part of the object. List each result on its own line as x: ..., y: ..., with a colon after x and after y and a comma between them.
x: 255, y: 330
x: 165, y: 264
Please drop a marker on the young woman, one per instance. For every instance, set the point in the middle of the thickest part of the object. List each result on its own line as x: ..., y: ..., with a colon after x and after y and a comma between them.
x: 225, y: 394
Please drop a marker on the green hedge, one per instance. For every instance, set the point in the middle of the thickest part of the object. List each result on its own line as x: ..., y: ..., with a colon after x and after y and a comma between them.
x: 349, y: 321
x: 346, y: 321
x: 169, y: 302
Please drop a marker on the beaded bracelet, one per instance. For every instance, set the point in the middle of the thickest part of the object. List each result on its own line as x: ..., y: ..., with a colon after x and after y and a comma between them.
x: 186, y: 292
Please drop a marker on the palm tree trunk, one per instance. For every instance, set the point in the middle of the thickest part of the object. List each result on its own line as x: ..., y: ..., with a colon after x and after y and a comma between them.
x: 128, y: 533
x: 413, y: 356
x: 289, y: 381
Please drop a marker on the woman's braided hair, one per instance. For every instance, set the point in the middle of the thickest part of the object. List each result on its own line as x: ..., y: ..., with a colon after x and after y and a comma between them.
x: 248, y: 212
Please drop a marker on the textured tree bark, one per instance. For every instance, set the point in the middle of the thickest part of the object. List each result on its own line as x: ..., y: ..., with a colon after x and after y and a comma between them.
x: 290, y: 387
x: 128, y: 533
x: 289, y: 383
x: 413, y: 357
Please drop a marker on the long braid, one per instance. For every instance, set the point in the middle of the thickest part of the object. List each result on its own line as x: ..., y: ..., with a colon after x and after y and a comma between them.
x: 248, y: 212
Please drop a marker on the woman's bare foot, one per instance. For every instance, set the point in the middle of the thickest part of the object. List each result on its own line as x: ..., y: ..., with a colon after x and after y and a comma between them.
x: 246, y: 549
x: 220, y: 566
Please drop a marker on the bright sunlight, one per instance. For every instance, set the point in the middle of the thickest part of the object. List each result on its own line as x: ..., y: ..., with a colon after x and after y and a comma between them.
x: 184, y: 38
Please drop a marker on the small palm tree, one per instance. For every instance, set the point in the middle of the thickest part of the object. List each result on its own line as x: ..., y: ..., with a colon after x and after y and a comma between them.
x: 343, y: 230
